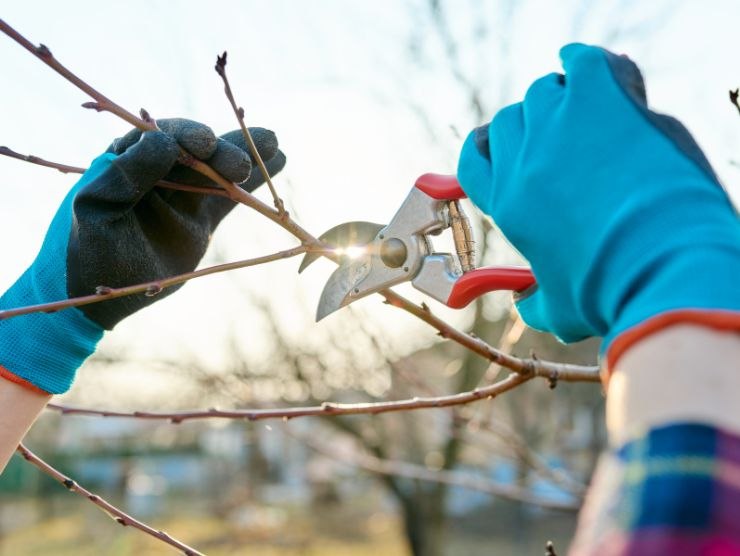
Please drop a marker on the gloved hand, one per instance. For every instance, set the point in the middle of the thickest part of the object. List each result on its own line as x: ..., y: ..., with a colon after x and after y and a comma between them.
x: 114, y: 229
x: 620, y: 215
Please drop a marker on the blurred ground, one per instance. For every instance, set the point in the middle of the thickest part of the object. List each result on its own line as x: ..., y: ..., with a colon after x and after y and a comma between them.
x: 74, y: 528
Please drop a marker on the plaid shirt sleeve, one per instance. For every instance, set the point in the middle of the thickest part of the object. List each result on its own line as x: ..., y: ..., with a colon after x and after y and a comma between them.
x: 675, y: 490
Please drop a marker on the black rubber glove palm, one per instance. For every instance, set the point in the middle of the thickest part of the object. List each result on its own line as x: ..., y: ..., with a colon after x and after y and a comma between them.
x: 127, y: 231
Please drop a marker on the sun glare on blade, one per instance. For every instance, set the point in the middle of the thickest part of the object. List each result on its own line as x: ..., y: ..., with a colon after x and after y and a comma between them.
x: 353, y: 251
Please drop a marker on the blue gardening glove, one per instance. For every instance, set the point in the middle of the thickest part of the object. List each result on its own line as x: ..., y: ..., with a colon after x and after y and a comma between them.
x: 615, y: 206
x: 114, y: 229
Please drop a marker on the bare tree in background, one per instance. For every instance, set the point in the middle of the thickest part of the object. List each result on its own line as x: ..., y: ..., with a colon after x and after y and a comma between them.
x: 358, y: 365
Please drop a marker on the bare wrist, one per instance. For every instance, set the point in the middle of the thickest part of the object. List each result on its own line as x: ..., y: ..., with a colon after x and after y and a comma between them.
x: 685, y: 373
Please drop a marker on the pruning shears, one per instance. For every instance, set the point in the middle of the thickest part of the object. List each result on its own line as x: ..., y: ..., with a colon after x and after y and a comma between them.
x: 374, y: 257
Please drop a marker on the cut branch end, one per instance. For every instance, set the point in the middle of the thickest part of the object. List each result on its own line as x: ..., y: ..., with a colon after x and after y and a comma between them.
x: 221, y: 64
x: 146, y: 117
x: 734, y: 98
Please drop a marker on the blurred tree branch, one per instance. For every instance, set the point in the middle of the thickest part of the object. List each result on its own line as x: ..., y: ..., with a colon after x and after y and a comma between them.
x: 395, y: 468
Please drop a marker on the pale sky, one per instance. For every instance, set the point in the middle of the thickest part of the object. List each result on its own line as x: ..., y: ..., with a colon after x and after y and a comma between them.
x: 340, y: 84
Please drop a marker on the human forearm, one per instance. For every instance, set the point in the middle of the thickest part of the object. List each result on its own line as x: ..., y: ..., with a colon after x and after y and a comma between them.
x: 666, y: 484
x: 19, y: 407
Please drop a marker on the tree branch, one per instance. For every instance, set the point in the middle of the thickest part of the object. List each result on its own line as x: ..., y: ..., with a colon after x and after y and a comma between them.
x: 565, y: 372
x: 118, y: 515
x: 104, y: 104
x: 323, y: 410
x: 65, y: 169
x: 239, y: 113
x: 103, y: 293
x: 101, y: 101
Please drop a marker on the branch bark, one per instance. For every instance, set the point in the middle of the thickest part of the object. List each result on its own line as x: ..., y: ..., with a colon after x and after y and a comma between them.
x: 121, y: 517
x: 323, y: 410
x: 147, y: 288
x: 65, y: 169
x: 239, y: 113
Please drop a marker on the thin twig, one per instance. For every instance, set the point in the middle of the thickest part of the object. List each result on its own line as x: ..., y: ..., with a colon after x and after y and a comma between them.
x: 420, y: 472
x: 733, y: 99
x: 104, y: 104
x: 534, y: 460
x: 565, y: 372
x: 323, y: 410
x: 239, y: 113
x: 152, y: 288
x: 117, y: 514
x: 509, y: 437
x: 44, y: 54
x: 65, y: 169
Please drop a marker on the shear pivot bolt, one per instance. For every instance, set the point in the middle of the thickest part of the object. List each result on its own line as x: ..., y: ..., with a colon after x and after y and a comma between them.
x: 393, y: 252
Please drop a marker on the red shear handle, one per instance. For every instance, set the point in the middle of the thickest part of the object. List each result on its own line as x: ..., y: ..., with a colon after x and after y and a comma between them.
x: 440, y: 186
x: 475, y: 283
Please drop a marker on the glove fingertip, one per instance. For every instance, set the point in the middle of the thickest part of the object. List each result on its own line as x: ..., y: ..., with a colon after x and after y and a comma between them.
x: 196, y: 138
x: 121, y: 144
x: 277, y: 163
x: 151, y: 157
x: 273, y: 165
x: 231, y: 162
x: 482, y: 141
x: 545, y: 90
x: 474, y: 171
x: 264, y: 139
x: 628, y: 76
x: 586, y: 66
x: 575, y: 54
x: 583, y: 64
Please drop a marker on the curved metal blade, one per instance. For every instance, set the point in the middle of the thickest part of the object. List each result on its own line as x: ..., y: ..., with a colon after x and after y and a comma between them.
x: 336, y: 293
x: 344, y: 235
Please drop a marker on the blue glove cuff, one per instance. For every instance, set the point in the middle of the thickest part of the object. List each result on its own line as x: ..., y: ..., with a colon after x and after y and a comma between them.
x: 47, y: 349
x: 44, y: 349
